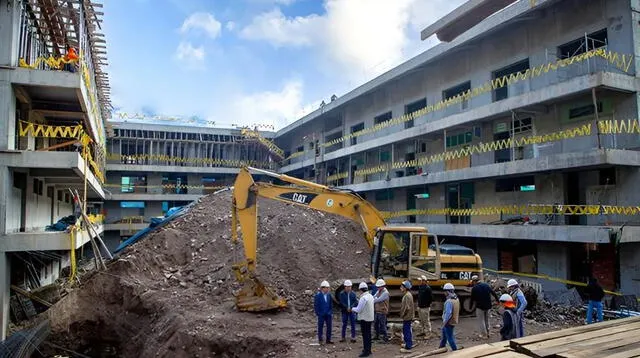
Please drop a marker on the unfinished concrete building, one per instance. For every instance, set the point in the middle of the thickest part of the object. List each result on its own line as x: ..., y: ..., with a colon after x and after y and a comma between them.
x: 51, y: 136
x: 570, y: 73
x: 153, y: 167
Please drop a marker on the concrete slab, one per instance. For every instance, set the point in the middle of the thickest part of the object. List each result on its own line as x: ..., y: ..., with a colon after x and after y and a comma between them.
x: 125, y: 227
x: 593, y: 158
x: 560, y: 233
x: 630, y: 234
x: 121, y: 124
x: 43, y: 241
x: 29, y: 77
x: 573, y: 87
x: 71, y: 161
x: 154, y: 197
x: 170, y: 169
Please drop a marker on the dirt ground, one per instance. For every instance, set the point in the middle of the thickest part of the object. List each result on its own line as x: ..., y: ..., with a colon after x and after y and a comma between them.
x: 172, y: 293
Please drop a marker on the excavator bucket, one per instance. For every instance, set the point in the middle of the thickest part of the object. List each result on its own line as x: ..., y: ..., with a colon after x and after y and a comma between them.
x: 256, y: 297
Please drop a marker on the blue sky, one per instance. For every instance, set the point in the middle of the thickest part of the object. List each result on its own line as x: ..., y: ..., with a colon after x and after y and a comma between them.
x: 255, y: 61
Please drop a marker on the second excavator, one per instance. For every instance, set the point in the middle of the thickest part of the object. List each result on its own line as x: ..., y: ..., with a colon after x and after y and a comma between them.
x: 397, y: 252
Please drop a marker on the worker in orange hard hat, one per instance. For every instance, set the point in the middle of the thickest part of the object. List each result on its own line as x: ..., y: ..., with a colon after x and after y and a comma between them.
x: 71, y: 59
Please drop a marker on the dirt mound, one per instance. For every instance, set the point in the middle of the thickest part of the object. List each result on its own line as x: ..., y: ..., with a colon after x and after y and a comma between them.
x: 171, y: 294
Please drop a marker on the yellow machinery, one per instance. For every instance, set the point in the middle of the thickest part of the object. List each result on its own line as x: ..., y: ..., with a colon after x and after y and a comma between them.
x: 397, y: 252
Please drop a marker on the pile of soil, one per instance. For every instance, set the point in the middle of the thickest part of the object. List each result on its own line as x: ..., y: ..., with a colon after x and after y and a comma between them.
x: 172, y: 293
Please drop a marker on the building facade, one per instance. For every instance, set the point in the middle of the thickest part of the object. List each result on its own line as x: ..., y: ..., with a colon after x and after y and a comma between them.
x: 52, y: 104
x: 434, y: 136
x: 153, y: 167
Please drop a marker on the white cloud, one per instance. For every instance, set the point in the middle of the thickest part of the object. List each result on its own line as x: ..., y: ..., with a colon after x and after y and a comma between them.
x: 277, y: 108
x: 279, y: 30
x: 359, y: 38
x: 203, y: 21
x: 230, y: 26
x: 191, y: 56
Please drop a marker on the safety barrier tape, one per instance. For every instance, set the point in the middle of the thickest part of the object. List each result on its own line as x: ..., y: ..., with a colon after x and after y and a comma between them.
x: 199, y: 161
x: 338, y: 176
x: 51, y: 62
x: 530, y: 209
x: 546, y: 277
x: 620, y: 61
x: 269, y: 144
x: 96, y: 218
x: 164, y: 186
x: 93, y: 102
x: 631, y: 126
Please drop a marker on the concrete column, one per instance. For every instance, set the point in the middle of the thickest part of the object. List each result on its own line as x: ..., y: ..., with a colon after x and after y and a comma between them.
x: 488, y: 251
x: 630, y: 268
x: 553, y: 260
x: 7, y: 114
x: 9, y: 32
x: 5, y: 283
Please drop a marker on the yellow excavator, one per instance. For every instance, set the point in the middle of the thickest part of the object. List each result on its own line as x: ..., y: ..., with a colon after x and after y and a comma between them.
x: 397, y: 252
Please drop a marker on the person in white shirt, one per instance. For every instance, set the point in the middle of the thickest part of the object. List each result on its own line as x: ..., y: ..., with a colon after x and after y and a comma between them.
x: 365, y: 316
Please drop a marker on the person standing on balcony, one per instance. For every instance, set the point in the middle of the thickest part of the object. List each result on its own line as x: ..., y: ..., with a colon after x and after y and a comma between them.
x: 71, y: 59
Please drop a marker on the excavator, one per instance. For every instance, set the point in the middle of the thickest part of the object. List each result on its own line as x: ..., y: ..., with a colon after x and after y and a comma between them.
x: 398, y: 253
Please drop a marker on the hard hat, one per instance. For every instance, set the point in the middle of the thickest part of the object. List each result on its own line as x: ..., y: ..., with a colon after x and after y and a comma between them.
x: 423, y: 278
x: 363, y: 286
x: 448, y: 286
x: 506, y: 298
x: 347, y: 283
x: 475, y: 278
x: 380, y: 283
x: 406, y: 284
x: 512, y: 283
x: 325, y: 284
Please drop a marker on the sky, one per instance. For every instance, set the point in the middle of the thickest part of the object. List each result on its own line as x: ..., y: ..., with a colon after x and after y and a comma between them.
x: 248, y: 62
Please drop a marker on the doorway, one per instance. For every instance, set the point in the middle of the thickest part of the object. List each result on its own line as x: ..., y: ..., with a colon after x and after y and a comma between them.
x: 460, y: 196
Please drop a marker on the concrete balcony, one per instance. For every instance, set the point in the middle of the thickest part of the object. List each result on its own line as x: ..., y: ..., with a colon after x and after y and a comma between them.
x: 171, y: 169
x: 63, y: 169
x: 44, y: 240
x: 153, y: 197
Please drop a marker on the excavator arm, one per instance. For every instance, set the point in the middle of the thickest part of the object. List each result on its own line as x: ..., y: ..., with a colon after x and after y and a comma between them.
x: 303, y: 193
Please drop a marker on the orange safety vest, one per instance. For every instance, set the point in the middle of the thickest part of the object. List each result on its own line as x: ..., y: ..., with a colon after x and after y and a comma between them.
x: 72, y: 55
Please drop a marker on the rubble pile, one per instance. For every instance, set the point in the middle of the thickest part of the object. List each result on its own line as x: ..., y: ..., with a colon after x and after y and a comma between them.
x: 171, y: 294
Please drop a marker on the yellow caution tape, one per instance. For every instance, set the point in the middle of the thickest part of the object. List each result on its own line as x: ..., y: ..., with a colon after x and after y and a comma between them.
x: 337, y: 176
x: 266, y: 142
x: 93, y: 101
x: 165, y: 186
x: 51, y: 62
x: 49, y: 131
x: 546, y: 277
x: 96, y: 218
x: 531, y: 209
x: 197, y: 161
x: 605, y: 127
x: 620, y: 61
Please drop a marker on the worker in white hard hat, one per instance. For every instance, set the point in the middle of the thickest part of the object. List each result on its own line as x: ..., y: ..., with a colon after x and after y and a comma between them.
x: 521, y: 303
x: 381, y: 308
x: 425, y: 298
x: 510, y: 321
x: 450, y: 316
x: 407, y: 314
x: 323, y: 305
x: 364, y: 309
x: 348, y: 300
x: 481, y: 294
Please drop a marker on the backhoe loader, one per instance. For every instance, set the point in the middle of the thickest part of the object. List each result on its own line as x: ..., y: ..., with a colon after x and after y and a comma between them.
x: 397, y: 252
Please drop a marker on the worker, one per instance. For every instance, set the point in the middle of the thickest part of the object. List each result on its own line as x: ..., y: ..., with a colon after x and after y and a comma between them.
x: 348, y: 300
x: 425, y: 298
x: 521, y: 303
x: 381, y: 307
x: 481, y: 294
x: 323, y: 306
x: 595, y: 294
x: 510, y: 324
x: 70, y: 59
x: 365, y: 316
x: 407, y: 314
x: 450, y: 316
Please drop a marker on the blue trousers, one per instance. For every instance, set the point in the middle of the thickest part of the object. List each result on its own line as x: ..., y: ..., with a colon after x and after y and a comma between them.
x: 380, y: 325
x: 321, y: 322
x: 406, y: 334
x: 448, y: 336
x: 521, y: 323
x: 351, y: 318
x: 598, y: 306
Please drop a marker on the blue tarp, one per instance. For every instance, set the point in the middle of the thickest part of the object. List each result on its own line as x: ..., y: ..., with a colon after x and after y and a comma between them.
x: 171, y: 214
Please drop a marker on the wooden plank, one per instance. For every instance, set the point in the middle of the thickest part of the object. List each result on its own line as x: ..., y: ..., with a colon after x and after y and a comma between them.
x: 29, y: 295
x: 580, y: 352
x: 577, y: 338
x: 592, y: 345
x: 508, y: 354
x: 481, y: 350
x: 570, y: 331
x: 626, y: 354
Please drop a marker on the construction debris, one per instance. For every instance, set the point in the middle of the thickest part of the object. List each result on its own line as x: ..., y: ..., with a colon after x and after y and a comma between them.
x: 171, y: 294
